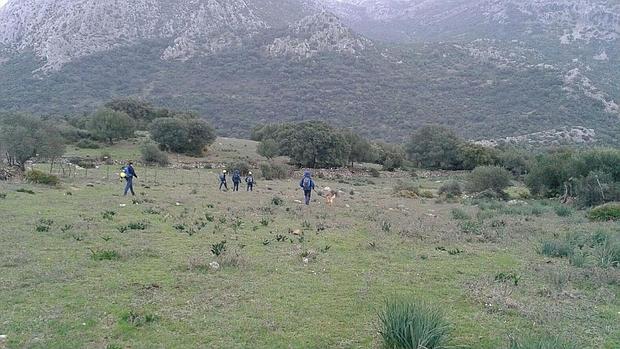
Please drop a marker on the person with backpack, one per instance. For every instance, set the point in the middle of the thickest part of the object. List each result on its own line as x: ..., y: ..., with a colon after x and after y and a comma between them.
x: 307, y: 184
x: 129, y: 174
x: 236, y: 178
x: 249, y: 180
x: 223, y: 180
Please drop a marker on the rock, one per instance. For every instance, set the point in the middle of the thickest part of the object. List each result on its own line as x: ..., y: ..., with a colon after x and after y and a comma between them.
x: 306, y: 260
x: 347, y: 206
x: 296, y: 232
x: 298, y: 201
x: 214, y: 266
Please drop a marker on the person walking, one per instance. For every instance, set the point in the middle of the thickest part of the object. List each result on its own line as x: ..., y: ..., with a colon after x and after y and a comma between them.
x: 236, y: 178
x: 223, y: 180
x: 307, y: 184
x: 249, y: 180
x: 130, y: 173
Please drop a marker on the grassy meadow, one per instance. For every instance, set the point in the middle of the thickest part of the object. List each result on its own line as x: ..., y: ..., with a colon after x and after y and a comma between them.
x: 81, y: 266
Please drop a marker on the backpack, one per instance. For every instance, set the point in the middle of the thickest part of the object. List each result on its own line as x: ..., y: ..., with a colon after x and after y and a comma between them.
x: 236, y: 178
x: 250, y: 180
x: 307, y: 183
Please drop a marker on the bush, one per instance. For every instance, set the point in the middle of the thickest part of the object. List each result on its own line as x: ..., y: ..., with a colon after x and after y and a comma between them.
x: 555, y: 248
x: 151, y: 154
x: 489, y: 178
x: 596, y: 188
x: 271, y: 171
x: 413, y: 325
x: 407, y: 190
x: 374, y: 173
x: 542, y: 343
x: 182, y: 135
x: 460, y: 214
x: 450, y: 189
x: 563, y: 211
x: 40, y: 177
x: 243, y: 166
x: 87, y: 144
x: 607, y: 212
x: 268, y: 148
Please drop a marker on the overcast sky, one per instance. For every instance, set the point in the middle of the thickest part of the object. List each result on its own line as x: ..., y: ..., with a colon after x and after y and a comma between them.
x: 2, y: 2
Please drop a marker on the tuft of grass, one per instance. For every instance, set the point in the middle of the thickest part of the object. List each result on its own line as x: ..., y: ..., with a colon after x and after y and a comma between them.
x: 471, y: 227
x: 219, y: 248
x: 555, y: 248
x: 138, y: 319
x: 413, y: 325
x: 512, y: 278
x: 109, y: 215
x: 459, y: 214
x: 104, y: 255
x: 563, y: 211
x: 2, y: 195
x: 541, y: 343
x: 577, y: 259
x: 277, y: 201
x: 136, y: 226
x: 25, y: 191
x: 609, y: 254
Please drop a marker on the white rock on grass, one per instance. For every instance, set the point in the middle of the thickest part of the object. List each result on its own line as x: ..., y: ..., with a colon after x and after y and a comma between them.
x: 214, y: 265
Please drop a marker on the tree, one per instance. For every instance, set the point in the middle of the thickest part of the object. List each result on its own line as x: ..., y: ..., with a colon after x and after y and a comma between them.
x: 361, y: 149
x: 188, y: 136
x: 435, y: 147
x: 493, y: 178
x: 23, y: 137
x: 313, y: 144
x: 268, y: 148
x: 109, y: 125
x: 473, y: 155
x: 391, y: 156
x: 140, y: 111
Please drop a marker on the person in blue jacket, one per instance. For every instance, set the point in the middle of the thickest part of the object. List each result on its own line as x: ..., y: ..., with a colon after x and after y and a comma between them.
x: 307, y: 184
x: 130, y: 173
x: 236, y: 178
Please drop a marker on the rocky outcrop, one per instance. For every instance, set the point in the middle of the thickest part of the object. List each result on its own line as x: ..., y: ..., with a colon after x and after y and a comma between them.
x: 316, y: 34
x: 59, y: 31
x: 564, y: 136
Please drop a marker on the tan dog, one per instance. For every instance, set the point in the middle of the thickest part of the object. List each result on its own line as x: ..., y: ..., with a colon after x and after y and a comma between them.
x: 330, y: 195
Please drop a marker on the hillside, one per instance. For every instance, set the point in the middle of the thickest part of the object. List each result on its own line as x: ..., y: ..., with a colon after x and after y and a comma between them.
x: 242, y: 63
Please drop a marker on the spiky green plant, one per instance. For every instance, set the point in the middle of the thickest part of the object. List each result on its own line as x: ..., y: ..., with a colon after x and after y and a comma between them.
x: 413, y: 325
x: 541, y: 343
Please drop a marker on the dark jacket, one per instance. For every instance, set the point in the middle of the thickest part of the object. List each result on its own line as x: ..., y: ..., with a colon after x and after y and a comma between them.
x: 303, y: 180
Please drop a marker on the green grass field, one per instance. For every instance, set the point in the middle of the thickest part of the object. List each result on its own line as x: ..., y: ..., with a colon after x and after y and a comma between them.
x: 81, y: 266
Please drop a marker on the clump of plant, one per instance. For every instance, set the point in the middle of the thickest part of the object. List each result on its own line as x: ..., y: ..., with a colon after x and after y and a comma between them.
x: 218, y: 248
x: 2, y: 195
x: 264, y: 222
x: 406, y: 189
x: 459, y: 214
x: 555, y: 248
x: 450, y: 189
x: 607, y: 212
x: 104, y: 255
x: 40, y: 177
x: 277, y: 201
x: 511, y: 278
x: 413, y: 325
x: 563, y: 211
x: 44, y: 225
x: 489, y: 178
x: 386, y: 226
x: 271, y: 171
x: 136, y: 226
x: 86, y: 143
x: 109, y: 215
x: 122, y: 229
x: 138, y: 319
x: 25, y: 191
x: 374, y: 173
x: 151, y: 154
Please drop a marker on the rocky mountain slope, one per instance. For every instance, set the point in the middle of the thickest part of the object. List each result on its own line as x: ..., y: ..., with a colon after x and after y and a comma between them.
x: 242, y: 62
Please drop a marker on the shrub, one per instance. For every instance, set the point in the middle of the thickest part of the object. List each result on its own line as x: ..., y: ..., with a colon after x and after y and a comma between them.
x: 271, y: 171
x: 413, y: 325
x: 609, y: 254
x: 427, y: 194
x: 406, y: 189
x: 577, y: 259
x: 563, y: 211
x: 40, y: 177
x: 596, y: 188
x: 243, y: 166
x: 489, y: 178
x: 555, y: 248
x: 374, y: 173
x: 460, y: 214
x: 182, y: 135
x: 151, y: 154
x: 607, y: 212
x: 104, y: 255
x: 87, y: 144
x: 541, y: 343
x: 138, y: 319
x: 277, y: 201
x: 450, y: 189
x: 268, y: 148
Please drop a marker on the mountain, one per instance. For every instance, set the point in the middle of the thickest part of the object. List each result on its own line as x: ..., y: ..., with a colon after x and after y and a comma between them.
x: 241, y: 62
